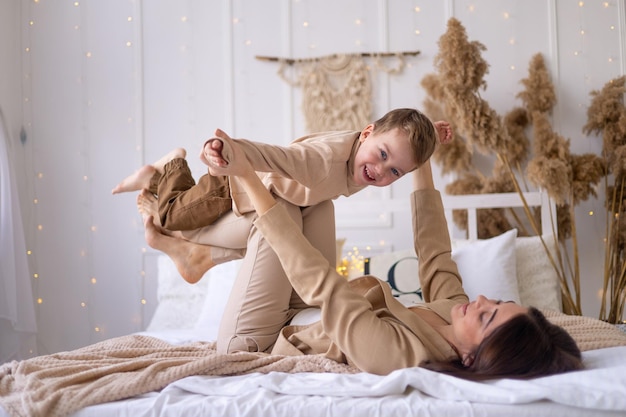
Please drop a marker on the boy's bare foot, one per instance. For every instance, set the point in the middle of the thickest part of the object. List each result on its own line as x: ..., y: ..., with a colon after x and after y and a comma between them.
x: 141, y: 178
x: 173, y: 154
x: 147, y: 206
x: 136, y: 181
x: 191, y: 259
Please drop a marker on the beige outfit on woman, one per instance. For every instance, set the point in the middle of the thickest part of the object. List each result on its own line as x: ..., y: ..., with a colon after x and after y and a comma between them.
x: 361, y: 322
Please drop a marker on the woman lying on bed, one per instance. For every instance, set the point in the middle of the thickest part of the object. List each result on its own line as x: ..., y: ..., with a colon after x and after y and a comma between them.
x: 364, y: 325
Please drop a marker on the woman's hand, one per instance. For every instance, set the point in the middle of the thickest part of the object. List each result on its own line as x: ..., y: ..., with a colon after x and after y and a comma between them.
x: 444, y: 131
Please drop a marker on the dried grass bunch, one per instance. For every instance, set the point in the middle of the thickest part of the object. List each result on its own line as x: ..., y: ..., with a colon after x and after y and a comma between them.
x: 607, y: 116
x: 454, y: 95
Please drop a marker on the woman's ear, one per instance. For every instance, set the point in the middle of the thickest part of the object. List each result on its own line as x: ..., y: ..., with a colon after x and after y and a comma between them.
x: 366, y: 132
x: 468, y: 360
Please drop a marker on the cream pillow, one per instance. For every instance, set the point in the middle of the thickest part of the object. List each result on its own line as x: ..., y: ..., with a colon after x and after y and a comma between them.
x: 537, y: 281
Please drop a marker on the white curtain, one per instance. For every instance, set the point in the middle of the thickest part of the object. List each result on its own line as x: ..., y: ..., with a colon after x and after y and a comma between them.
x: 17, y: 312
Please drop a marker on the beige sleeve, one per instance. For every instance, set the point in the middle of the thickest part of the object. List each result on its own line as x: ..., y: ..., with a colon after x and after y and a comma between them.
x: 438, y: 273
x: 374, y: 344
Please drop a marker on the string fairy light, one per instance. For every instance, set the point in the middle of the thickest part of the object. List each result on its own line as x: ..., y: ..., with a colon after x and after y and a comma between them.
x: 88, y: 292
x: 31, y: 235
x: 136, y: 120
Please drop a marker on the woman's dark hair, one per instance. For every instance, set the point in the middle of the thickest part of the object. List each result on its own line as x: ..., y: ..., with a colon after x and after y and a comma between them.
x: 527, y: 346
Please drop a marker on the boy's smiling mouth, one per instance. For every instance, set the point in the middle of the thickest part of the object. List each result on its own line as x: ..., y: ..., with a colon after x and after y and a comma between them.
x: 366, y: 174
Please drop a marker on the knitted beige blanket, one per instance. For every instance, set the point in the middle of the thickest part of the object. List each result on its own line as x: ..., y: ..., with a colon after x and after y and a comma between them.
x: 589, y: 333
x: 60, y: 384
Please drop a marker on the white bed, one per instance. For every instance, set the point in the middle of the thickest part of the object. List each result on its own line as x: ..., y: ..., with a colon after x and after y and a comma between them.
x: 599, y: 390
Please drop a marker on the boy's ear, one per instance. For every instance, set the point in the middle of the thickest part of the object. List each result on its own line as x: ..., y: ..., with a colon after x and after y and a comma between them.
x: 366, y: 132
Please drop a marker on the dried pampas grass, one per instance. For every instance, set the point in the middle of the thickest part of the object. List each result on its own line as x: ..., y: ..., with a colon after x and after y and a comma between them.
x: 543, y: 158
x: 607, y: 116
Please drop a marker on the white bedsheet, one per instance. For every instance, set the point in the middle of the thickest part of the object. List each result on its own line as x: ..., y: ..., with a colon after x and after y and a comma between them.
x: 599, y: 390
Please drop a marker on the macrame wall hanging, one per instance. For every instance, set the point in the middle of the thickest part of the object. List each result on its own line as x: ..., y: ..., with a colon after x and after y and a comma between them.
x: 336, y: 89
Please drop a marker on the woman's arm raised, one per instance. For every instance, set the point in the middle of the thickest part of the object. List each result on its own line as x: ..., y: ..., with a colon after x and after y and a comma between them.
x: 423, y: 177
x: 240, y: 166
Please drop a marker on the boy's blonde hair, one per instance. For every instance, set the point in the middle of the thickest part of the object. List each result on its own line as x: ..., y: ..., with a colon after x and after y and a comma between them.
x: 419, y: 128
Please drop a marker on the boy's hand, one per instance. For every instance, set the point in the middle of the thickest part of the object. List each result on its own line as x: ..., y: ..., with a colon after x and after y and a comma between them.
x: 444, y: 131
x: 212, y: 153
x: 225, y: 157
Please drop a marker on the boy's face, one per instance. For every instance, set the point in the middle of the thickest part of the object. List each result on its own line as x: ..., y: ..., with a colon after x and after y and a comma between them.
x: 382, y: 158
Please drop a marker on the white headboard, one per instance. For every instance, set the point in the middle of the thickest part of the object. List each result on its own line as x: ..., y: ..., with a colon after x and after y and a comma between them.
x: 500, y: 200
x: 469, y: 202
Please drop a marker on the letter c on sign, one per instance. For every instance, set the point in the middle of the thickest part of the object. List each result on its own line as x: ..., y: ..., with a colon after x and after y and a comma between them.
x: 391, y: 278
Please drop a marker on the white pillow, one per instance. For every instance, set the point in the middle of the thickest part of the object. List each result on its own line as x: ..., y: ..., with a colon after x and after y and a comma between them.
x: 488, y: 267
x: 537, y: 281
x: 220, y: 281
x: 179, y: 302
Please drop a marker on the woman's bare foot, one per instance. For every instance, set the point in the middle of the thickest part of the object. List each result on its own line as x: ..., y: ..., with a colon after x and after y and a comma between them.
x: 141, y: 178
x: 147, y: 206
x: 191, y: 259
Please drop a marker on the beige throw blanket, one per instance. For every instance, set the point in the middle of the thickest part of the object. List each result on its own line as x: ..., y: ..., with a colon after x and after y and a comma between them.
x: 60, y: 384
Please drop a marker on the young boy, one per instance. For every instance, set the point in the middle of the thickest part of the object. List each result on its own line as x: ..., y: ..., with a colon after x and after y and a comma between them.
x: 310, y: 170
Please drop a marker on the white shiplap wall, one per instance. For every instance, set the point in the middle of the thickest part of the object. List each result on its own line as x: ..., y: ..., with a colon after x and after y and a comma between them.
x: 103, y: 87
